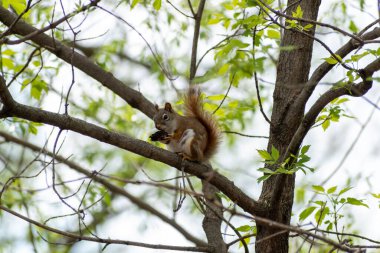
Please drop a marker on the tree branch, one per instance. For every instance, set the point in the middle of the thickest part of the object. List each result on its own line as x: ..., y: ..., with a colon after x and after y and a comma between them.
x: 352, y: 89
x: 101, y: 240
x: 355, y: 90
x: 194, y: 50
x: 12, y: 108
x: 131, y: 96
x: 291, y: 228
x: 212, y: 220
x: 51, y: 25
x: 310, y: 21
x: 325, y: 67
x: 113, y: 188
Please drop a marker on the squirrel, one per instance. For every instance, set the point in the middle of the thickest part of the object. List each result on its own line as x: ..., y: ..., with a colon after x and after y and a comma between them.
x: 195, y: 136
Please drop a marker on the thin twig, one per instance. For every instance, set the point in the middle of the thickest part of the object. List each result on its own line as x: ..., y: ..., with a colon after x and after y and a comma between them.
x: 194, y: 49
x: 50, y: 26
x: 188, y: 16
x: 225, y: 96
x: 246, y: 135
x: 355, y: 37
x: 102, y: 240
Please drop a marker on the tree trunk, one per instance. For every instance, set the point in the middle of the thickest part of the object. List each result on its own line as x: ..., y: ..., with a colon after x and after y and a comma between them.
x: 212, y: 221
x: 292, y: 73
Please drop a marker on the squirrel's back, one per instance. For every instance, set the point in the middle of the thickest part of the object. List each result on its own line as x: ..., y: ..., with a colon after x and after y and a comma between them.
x: 194, y: 108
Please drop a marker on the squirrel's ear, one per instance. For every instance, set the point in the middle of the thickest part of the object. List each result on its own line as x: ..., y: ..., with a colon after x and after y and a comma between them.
x: 168, y: 107
x: 156, y: 107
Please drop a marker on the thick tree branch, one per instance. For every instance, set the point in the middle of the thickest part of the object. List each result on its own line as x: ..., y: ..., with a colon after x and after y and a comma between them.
x: 325, y: 67
x: 212, y: 220
x: 293, y: 69
x: 131, y: 96
x: 12, y: 108
x: 352, y: 89
x: 310, y: 21
x: 113, y: 188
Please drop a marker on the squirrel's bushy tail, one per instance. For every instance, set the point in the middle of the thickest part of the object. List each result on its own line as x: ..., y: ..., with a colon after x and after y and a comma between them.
x: 194, y: 107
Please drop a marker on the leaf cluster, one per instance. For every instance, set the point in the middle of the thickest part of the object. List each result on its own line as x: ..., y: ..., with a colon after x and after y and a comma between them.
x: 329, y: 209
x: 331, y: 113
x: 290, y: 166
x: 295, y: 24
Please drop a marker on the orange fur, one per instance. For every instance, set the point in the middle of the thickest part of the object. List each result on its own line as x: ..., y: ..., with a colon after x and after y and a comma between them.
x: 194, y: 108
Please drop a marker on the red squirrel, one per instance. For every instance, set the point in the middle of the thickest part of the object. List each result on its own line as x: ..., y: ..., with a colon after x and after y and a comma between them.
x: 195, y: 136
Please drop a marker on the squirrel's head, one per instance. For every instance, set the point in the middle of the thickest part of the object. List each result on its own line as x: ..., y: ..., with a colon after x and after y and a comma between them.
x: 164, y: 118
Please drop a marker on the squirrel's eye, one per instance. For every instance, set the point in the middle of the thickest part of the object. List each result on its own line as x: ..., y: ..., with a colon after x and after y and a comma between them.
x: 165, y: 117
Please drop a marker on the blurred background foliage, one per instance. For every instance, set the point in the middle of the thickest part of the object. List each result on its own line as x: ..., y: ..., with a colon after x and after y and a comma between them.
x: 147, y: 45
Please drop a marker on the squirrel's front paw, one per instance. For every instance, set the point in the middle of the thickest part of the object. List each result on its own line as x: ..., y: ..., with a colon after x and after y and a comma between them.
x: 160, y: 136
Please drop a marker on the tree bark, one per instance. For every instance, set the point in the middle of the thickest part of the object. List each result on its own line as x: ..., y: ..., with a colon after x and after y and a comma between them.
x: 212, y: 220
x: 292, y: 74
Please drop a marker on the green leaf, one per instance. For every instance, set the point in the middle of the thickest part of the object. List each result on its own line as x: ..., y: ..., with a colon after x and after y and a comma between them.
x: 321, y: 214
x: 7, y: 63
x: 246, y: 240
x: 325, y: 125
x: 8, y: 52
x: 5, y: 3
x: 38, y: 86
x: 331, y: 190
x: 274, y: 34
x: 275, y: 154
x: 300, y: 195
x: 353, y: 28
x: 318, y: 188
x: 233, y: 104
x: 18, y: 7
x: 320, y: 203
x: 361, y: 5
x: 308, y: 27
x: 238, y: 43
x: 329, y: 227
x: 264, y: 154
x: 134, y: 3
x: 305, y: 149
x: 244, y: 228
x: 342, y: 100
x: 266, y: 170
x: 213, y: 21
x: 216, y: 97
x: 376, y: 195
x: 356, y: 202
x: 157, y: 5
x: 333, y: 60
x: 306, y: 213
x: 228, y: 6
x: 330, y: 60
x: 298, y: 13
x: 224, y: 69
x: 263, y: 178
x: 32, y: 129
x: 284, y: 171
x: 344, y: 190
x: 107, y: 199
x: 304, y: 159
x: 357, y: 57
